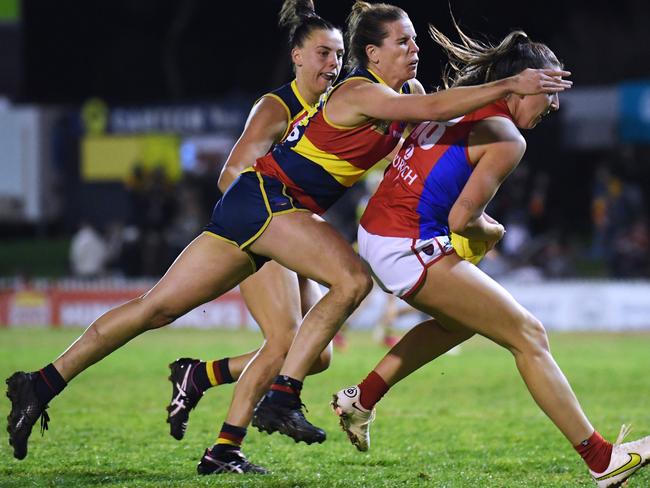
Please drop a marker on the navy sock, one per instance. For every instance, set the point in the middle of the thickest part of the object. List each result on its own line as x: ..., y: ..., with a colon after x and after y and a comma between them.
x: 200, y: 377
x: 223, y: 365
x: 285, y: 390
x: 49, y: 383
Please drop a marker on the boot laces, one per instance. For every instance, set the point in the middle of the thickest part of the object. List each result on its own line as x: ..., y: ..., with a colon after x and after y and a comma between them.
x: 45, y: 418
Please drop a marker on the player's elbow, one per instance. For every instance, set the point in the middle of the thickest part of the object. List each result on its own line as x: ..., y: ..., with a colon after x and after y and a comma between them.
x: 228, y: 175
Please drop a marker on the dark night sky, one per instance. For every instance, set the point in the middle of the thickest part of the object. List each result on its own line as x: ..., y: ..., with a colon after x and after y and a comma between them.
x: 166, y: 50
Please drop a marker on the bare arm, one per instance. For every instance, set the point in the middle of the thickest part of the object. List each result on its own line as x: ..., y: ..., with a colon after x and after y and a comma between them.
x: 497, y: 147
x: 266, y: 124
x: 361, y: 100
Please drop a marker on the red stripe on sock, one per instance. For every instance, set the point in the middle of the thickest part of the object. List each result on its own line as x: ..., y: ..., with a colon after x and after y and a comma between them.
x: 231, y: 437
x: 596, y: 452
x: 217, y: 372
x: 46, y: 382
x: 284, y: 388
x: 372, y: 389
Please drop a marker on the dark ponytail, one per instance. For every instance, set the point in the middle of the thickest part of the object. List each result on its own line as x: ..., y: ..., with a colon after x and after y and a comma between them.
x: 300, y: 17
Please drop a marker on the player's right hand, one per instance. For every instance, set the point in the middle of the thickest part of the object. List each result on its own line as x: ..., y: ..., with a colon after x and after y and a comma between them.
x: 533, y: 81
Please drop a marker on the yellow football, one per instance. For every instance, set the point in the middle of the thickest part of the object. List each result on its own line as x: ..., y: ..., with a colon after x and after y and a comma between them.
x: 468, y: 249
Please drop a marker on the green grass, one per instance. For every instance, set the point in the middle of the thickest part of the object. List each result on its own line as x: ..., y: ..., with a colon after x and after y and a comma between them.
x: 463, y: 421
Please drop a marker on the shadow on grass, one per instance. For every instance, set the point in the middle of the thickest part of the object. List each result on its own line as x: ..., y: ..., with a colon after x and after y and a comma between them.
x: 78, y: 477
x: 64, y: 477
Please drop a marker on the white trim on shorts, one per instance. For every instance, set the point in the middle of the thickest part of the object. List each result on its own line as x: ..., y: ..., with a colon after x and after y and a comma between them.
x: 399, y: 264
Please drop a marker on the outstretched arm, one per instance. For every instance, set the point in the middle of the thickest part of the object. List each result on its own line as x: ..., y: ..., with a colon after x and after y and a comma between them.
x: 376, y: 101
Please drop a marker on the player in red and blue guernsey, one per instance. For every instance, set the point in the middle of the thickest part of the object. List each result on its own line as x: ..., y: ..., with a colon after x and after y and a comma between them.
x: 425, y: 179
x: 442, y: 179
x: 354, y: 129
x: 271, y: 213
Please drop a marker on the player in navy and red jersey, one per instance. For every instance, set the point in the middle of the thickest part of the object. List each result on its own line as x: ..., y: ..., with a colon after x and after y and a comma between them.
x: 441, y: 180
x: 276, y: 297
x: 264, y: 216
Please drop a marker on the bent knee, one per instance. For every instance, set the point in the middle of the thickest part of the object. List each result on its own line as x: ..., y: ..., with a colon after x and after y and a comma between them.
x: 156, y: 315
x: 530, y: 336
x: 277, y: 346
x: 355, y: 285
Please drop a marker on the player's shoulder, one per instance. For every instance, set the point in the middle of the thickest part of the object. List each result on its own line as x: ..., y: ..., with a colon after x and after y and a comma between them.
x: 415, y: 87
x: 270, y: 108
x: 498, y: 129
x: 284, y: 99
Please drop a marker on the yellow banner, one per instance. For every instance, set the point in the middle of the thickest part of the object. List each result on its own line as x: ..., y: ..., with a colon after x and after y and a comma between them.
x: 112, y: 158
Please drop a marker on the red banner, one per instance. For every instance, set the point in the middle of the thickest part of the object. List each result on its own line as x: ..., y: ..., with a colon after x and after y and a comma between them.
x: 58, y: 306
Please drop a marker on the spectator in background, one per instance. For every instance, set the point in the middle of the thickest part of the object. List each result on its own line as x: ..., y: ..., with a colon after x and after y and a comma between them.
x: 605, y: 208
x: 136, y: 185
x: 158, y: 208
x: 556, y: 257
x: 88, y: 252
x: 617, y: 206
x: 115, y: 246
x: 632, y: 250
x: 188, y: 219
x: 537, y: 211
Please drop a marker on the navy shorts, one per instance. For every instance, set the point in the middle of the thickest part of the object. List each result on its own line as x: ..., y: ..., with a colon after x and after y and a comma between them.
x: 246, y: 209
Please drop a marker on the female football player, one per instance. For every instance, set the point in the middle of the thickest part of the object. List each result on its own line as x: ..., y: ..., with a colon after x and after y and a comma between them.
x: 276, y: 297
x: 272, y: 211
x: 440, y: 181
x: 359, y: 122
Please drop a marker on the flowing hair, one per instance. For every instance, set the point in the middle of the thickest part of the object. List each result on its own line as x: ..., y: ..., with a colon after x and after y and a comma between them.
x: 473, y: 62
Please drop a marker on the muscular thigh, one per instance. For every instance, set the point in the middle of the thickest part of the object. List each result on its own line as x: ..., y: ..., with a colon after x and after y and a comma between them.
x: 458, y: 293
x: 310, y: 246
x: 207, y: 268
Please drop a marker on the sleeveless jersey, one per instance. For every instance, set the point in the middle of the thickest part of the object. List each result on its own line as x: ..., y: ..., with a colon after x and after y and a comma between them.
x: 425, y: 178
x: 320, y: 160
x: 296, y: 106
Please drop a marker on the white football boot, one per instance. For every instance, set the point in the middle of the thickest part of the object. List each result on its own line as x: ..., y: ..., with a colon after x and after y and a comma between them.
x: 626, y: 460
x: 353, y: 418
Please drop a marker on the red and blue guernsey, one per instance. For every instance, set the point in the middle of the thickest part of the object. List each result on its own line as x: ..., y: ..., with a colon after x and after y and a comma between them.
x: 319, y: 160
x: 425, y: 178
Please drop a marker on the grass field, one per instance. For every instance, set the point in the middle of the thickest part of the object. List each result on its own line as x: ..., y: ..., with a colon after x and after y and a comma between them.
x: 464, y: 421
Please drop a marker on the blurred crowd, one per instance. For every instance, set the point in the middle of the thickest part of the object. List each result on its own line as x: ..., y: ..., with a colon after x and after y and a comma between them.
x: 614, y: 240
x: 615, y: 244
x: 163, y: 217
